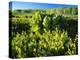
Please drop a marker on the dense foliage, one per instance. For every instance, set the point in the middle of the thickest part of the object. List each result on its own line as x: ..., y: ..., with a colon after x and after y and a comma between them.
x: 38, y: 33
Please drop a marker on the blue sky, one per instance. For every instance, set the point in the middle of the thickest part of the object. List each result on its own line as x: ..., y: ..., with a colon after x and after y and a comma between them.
x: 31, y: 5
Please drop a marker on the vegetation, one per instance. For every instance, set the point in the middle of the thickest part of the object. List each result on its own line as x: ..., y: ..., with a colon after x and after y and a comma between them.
x: 38, y: 33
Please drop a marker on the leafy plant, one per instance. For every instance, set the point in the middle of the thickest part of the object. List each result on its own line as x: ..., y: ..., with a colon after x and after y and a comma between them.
x: 39, y: 33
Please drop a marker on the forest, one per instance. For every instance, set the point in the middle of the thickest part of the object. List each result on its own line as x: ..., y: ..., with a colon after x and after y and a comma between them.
x: 43, y: 32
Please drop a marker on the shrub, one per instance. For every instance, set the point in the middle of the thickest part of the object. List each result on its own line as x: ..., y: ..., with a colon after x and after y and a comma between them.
x: 47, y: 44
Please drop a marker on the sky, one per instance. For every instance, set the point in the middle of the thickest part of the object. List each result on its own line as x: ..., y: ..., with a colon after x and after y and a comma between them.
x: 31, y: 5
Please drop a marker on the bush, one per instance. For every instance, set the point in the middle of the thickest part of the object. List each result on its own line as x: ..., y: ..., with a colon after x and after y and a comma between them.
x: 43, y: 35
x: 47, y: 44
